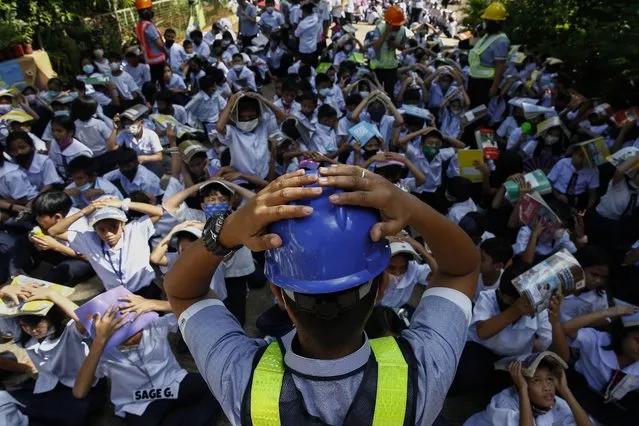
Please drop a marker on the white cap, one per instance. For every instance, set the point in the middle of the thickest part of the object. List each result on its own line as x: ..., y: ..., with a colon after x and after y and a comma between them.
x: 400, y: 247
x: 196, y: 232
x: 106, y: 213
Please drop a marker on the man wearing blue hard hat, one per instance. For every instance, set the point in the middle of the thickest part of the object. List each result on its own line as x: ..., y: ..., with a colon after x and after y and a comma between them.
x: 324, y: 232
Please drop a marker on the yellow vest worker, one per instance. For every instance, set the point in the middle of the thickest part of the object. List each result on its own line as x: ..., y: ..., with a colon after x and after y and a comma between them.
x: 389, y: 36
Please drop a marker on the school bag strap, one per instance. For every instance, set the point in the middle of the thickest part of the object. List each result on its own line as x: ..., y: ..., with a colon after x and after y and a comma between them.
x: 389, y: 376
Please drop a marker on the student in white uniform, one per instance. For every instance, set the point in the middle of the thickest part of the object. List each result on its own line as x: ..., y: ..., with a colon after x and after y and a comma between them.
x: 140, y: 72
x: 324, y: 139
x: 118, y: 251
x: 205, y: 107
x: 533, y: 400
x: 132, y: 176
x: 123, y: 81
x: 458, y: 192
x: 177, y: 55
x: 495, y: 255
x: 144, y: 141
x: 148, y: 386
x: 91, y: 131
x: 15, y: 189
x: 38, y: 167
x: 574, y: 182
x: 240, y: 77
x: 503, y: 324
x: 56, y: 346
x: 86, y: 185
x: 596, y: 265
x: 65, y: 147
x: 216, y: 197
x: 605, y: 378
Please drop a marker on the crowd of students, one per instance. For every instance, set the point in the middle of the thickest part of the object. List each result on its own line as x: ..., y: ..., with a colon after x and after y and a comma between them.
x: 115, y: 175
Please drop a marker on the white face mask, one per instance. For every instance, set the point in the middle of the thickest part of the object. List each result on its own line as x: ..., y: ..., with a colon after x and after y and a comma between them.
x: 551, y: 140
x: 5, y: 109
x: 88, y: 69
x: 238, y: 68
x: 394, y: 280
x: 114, y: 66
x: 364, y: 94
x: 248, y: 126
x: 134, y: 129
x: 99, y: 53
x: 226, y: 42
x: 31, y: 98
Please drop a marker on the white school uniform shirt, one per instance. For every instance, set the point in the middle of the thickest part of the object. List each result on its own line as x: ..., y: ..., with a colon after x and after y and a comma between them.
x: 575, y: 305
x: 151, y: 365
x: 308, y: 31
x: 205, y: 108
x: 126, y: 85
x: 93, y: 134
x: 127, y: 263
x: 293, y: 109
x: 482, y: 287
x: 397, y: 296
x: 245, y: 78
x: 144, y: 180
x: 507, y: 126
x: 177, y: 56
x: 432, y: 169
x: 544, y: 248
x: 249, y: 151
x: 274, y: 57
x: 61, y: 159
x: 148, y: 144
x: 80, y: 225
x: 436, y: 94
x: 100, y: 183
x: 503, y: 410
x: 324, y: 140
x: 450, y: 124
x: 617, y: 199
x: 176, y: 82
x: 218, y: 284
x: 9, y: 412
x: 239, y: 265
x: 517, y: 338
x: 58, y: 359
x: 227, y: 55
x: 42, y: 171
x: 459, y: 210
x: 273, y: 20
x: 295, y: 14
x: 562, y: 171
x: 597, y: 364
x: 194, y: 80
x: 202, y: 50
x: 141, y: 74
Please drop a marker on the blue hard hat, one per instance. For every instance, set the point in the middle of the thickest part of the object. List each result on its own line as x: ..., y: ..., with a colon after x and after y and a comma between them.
x: 328, y: 251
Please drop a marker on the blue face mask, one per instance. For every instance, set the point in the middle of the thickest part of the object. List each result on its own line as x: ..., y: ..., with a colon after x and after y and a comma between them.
x: 213, y: 209
x: 85, y: 187
x: 61, y: 112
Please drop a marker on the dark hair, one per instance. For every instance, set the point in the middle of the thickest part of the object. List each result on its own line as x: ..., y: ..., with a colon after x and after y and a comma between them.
x: 227, y: 34
x: 326, y: 111
x: 383, y: 320
x: 84, y: 108
x: 114, y: 57
x: 308, y: 96
x: 195, y: 34
x: 506, y: 286
x: 169, y: 31
x: 499, y: 250
x: 79, y: 85
x: 322, y: 78
x: 617, y: 335
x: 210, y: 189
x: 592, y: 255
x: 412, y: 95
x: 50, y: 203
x: 130, y: 55
x: 345, y: 326
x: 19, y: 135
x: 126, y: 155
x: 187, y: 43
x: 85, y: 164
x: 149, y: 90
x: 184, y: 235
x: 165, y: 96
x: 474, y: 224
x: 304, y: 72
x: 56, y: 317
x: 460, y: 187
x: 246, y: 102
x: 217, y: 75
x: 64, y: 121
x: 238, y: 56
x: 206, y: 83
x: 289, y: 128
x: 353, y: 99
x: 289, y: 86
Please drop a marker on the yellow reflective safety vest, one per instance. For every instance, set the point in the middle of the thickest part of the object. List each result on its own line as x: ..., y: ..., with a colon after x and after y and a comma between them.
x: 477, y: 70
x: 387, y: 394
x: 386, y: 56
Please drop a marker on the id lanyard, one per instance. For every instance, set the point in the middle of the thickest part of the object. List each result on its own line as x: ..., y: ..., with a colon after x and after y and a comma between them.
x: 139, y: 367
x: 107, y: 254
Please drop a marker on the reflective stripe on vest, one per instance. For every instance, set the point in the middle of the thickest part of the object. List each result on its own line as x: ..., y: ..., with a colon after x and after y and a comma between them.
x: 391, y: 395
x: 386, y: 57
x: 477, y: 70
x: 150, y: 57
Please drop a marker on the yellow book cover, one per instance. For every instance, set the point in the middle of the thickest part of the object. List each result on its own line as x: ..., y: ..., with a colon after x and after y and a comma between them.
x: 465, y: 160
x: 34, y: 307
x: 595, y: 150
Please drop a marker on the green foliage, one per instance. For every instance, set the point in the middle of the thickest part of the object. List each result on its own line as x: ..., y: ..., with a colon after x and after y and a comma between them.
x: 598, y: 40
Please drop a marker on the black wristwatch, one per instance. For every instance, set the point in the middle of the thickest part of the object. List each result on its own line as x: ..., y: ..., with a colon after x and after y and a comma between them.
x: 211, y: 235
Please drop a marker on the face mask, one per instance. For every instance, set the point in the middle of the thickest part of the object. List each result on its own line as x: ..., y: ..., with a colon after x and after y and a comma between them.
x: 225, y: 43
x: 551, y: 140
x: 376, y: 114
x: 24, y: 158
x: 53, y: 93
x: 62, y: 112
x: 394, y: 280
x: 130, y: 174
x: 88, y: 68
x: 4, y: 109
x: 134, y: 129
x: 169, y: 43
x: 213, y: 209
x: 455, y: 111
x: 213, y: 60
x: 114, y: 66
x: 98, y: 53
x: 325, y: 92
x: 85, y: 187
x: 238, y: 68
x: 348, y: 48
x: 137, y: 52
x: 270, y: 9
x: 364, y: 94
x: 248, y: 126
x: 430, y: 152
x: 31, y: 98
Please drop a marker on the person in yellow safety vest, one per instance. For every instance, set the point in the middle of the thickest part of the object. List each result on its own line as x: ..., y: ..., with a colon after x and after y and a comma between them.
x: 324, y: 231
x: 151, y: 42
x: 389, y: 36
x: 487, y: 59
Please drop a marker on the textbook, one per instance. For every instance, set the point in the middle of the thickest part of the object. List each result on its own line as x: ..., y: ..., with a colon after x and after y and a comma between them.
x: 534, y: 76
x: 622, y: 155
x: 621, y: 118
x: 358, y: 58
x: 465, y: 160
x: 551, y: 122
x: 487, y: 143
x: 97, y: 81
x: 560, y: 273
x: 530, y: 362
x: 475, y: 114
x: 35, y: 307
x: 631, y: 320
x: 100, y: 304
x: 321, y: 68
x: 533, y: 208
x: 537, y: 180
x: 364, y: 131
x: 414, y: 111
x: 595, y: 150
x: 17, y: 115
x: 163, y: 121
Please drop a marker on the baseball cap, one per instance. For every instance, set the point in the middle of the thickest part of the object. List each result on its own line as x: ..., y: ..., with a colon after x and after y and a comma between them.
x: 106, y: 213
x: 196, y: 232
x: 223, y: 186
x: 401, y: 247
